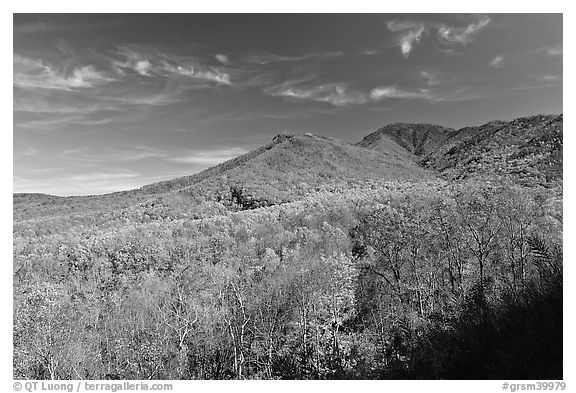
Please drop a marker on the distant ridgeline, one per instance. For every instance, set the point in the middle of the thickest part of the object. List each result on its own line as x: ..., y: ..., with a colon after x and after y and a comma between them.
x: 420, y: 252
x: 525, y: 151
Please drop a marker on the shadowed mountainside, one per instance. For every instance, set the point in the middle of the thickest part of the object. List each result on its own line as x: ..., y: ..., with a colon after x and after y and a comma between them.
x: 416, y: 139
x: 527, y: 150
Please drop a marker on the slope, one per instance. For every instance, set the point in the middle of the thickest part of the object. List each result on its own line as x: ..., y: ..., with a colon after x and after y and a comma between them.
x: 285, y: 170
x: 526, y: 150
x: 290, y: 167
x: 415, y: 139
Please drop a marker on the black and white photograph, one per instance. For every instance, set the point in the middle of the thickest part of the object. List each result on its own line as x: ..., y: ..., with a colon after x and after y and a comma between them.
x: 287, y: 196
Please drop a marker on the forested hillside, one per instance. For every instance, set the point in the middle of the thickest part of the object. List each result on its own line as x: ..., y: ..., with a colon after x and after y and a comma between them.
x: 288, y: 168
x: 421, y: 252
x: 527, y: 150
x: 418, y: 139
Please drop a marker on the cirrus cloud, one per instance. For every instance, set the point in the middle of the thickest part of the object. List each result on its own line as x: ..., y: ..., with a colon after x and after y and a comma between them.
x: 222, y: 58
x: 382, y: 92
x: 410, y: 33
x: 497, y: 61
x: 337, y: 94
x: 462, y: 35
x: 33, y: 73
x: 150, y: 64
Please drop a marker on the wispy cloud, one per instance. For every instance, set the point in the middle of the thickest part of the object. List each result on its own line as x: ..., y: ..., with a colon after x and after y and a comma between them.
x: 135, y: 153
x: 207, y: 158
x: 34, y: 27
x: 151, y: 64
x: 457, y: 93
x: 57, y: 102
x: 541, y: 81
x: 198, y: 72
x: 107, y: 155
x: 100, y: 176
x: 43, y: 108
x: 462, y: 35
x: 199, y: 158
x: 382, y: 92
x: 535, y: 86
x: 554, y: 50
x: 42, y: 26
x: 95, y: 122
x: 50, y: 110
x: 97, y: 182
x: 93, y: 89
x: 337, y: 94
x: 148, y: 99
x: 222, y: 58
x: 46, y: 122
x: 431, y: 79
x: 267, y: 58
x: 497, y: 61
x: 26, y: 152
x: 409, y: 33
x: 548, y: 77
x: 39, y: 171
x: 34, y: 73
x: 282, y: 114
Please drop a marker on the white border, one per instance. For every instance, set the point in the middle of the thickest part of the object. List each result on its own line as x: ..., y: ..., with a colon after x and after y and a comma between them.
x: 260, y: 6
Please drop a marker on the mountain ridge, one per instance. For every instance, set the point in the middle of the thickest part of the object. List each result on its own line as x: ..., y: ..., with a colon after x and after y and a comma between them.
x: 432, y: 147
x: 290, y: 167
x: 417, y: 138
x: 528, y: 150
x: 286, y: 169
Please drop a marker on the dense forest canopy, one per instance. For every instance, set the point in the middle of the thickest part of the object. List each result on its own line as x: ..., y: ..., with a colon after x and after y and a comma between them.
x: 420, y: 252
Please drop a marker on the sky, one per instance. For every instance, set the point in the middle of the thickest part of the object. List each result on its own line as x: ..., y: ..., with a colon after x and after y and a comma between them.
x: 105, y: 102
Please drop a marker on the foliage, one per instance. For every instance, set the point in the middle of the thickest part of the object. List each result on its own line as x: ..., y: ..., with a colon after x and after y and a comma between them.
x: 527, y: 150
x: 307, y: 258
x: 378, y: 280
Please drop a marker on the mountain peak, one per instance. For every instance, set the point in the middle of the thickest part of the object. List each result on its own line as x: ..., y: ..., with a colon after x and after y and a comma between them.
x: 283, y: 136
x: 417, y: 138
x: 288, y: 168
x: 288, y: 136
